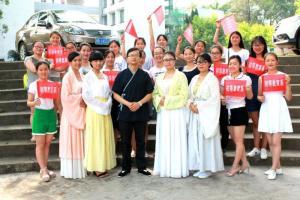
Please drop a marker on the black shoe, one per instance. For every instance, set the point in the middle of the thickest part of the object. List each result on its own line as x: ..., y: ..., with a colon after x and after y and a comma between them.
x: 123, y: 173
x: 144, y: 172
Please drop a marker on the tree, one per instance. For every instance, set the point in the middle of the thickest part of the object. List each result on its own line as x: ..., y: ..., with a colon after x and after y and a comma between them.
x: 297, y: 5
x: 260, y: 11
x: 3, y: 27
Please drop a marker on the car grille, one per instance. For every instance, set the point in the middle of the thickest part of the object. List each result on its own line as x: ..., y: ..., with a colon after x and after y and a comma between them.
x: 98, y: 32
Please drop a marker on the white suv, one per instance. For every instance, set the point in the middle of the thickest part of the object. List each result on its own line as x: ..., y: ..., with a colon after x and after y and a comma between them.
x: 287, y: 34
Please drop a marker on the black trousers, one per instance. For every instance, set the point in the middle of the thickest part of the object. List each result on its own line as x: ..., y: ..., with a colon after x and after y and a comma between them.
x: 126, y: 129
x: 223, y: 127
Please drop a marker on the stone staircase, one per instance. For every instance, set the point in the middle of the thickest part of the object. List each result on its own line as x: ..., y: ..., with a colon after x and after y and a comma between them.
x: 17, y: 152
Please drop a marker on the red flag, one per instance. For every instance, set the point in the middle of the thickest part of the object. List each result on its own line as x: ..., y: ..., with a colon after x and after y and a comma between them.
x: 111, y: 77
x: 229, y: 24
x: 273, y: 82
x: 220, y: 70
x: 255, y: 66
x: 159, y: 14
x: 130, y: 29
x: 235, y: 88
x: 188, y: 34
x: 48, y: 89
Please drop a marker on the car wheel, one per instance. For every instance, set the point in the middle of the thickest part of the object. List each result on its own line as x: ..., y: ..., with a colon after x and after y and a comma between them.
x: 22, y: 51
x: 297, y: 50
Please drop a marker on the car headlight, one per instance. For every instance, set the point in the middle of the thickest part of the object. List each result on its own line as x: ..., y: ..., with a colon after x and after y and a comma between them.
x: 74, y: 30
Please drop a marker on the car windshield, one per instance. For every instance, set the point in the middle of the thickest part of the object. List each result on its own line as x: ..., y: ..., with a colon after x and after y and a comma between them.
x: 62, y: 16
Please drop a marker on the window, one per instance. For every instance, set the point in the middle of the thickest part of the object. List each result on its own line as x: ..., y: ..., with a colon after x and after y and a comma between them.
x: 104, y: 19
x: 113, y: 19
x: 32, y: 21
x: 43, y: 16
x: 112, y: 2
x: 121, y: 16
x: 105, y: 4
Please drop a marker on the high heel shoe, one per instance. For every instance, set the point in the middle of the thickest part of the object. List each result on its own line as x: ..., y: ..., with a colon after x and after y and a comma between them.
x: 245, y: 169
x: 233, y: 171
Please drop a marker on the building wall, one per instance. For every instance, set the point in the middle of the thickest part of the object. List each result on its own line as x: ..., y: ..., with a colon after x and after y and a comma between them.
x: 14, y: 15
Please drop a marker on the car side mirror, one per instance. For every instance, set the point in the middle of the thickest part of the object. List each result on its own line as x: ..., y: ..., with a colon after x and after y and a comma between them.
x: 42, y: 23
x: 48, y: 25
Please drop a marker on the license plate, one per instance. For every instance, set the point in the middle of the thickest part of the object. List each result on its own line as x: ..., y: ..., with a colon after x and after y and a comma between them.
x: 102, y: 41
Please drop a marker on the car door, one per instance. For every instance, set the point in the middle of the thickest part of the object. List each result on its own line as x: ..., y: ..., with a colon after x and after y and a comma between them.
x: 27, y: 34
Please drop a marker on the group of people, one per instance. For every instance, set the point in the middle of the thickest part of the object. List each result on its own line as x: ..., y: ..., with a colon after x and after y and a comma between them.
x: 104, y: 97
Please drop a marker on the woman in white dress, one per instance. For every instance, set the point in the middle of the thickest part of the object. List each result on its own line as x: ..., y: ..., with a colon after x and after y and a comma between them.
x: 204, y: 145
x: 274, y: 116
x: 169, y: 98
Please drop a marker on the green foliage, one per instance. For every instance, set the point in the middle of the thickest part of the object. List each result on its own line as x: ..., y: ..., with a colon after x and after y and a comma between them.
x: 249, y: 31
x: 297, y: 5
x: 3, y: 27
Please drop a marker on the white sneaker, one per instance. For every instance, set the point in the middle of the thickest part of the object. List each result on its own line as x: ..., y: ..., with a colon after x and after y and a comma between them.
x: 255, y: 151
x: 146, y: 155
x: 272, y: 175
x: 203, y: 175
x: 132, y: 154
x: 263, y: 154
x: 196, y: 174
x: 278, y: 171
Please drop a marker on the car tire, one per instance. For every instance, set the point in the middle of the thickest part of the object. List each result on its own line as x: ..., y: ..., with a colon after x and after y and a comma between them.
x: 22, y: 50
x: 297, y: 50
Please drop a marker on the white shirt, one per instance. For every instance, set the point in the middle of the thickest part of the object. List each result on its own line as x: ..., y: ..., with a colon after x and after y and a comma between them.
x: 236, y: 102
x: 243, y: 53
x: 155, y: 71
x: 46, y: 104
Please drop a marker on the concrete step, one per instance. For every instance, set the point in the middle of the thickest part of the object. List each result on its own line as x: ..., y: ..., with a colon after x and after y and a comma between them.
x: 29, y: 163
x: 12, y: 65
x: 13, y: 105
x: 14, y: 118
x: 12, y: 74
x: 15, y: 132
x: 294, y: 111
x: 11, y: 84
x: 295, y: 88
x: 19, y: 148
x: 289, y: 60
x: 13, y: 94
x: 290, y: 69
x: 295, y: 100
x: 295, y: 78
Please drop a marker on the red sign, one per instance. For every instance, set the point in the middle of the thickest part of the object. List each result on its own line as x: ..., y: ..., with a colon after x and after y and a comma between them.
x: 273, y: 82
x: 47, y: 89
x: 111, y: 77
x: 220, y: 70
x: 229, y: 24
x: 235, y: 88
x: 54, y: 50
x: 61, y: 60
x: 255, y: 66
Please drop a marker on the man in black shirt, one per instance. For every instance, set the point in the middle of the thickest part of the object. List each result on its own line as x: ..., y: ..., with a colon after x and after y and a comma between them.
x: 133, y: 89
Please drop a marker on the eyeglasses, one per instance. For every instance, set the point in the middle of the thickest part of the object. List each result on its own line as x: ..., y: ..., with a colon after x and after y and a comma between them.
x: 202, y: 62
x: 134, y: 55
x: 38, y: 47
x: 215, y: 53
x: 168, y: 59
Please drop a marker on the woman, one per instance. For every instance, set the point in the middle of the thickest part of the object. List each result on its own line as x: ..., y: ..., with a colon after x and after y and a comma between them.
x: 237, y: 115
x: 99, y: 140
x: 161, y: 39
x: 199, y: 47
x: 158, y: 67
x: 235, y: 45
x: 169, y: 98
x: 120, y: 62
x: 258, y: 51
x: 190, y: 69
x: 71, y: 46
x: 85, y: 50
x: 71, y: 141
x: 274, y: 114
x: 30, y: 64
x: 204, y: 146
x: 55, y: 42
x: 216, y: 57
x: 43, y: 130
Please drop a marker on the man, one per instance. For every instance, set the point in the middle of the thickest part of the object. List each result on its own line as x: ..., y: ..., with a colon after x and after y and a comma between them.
x: 132, y: 89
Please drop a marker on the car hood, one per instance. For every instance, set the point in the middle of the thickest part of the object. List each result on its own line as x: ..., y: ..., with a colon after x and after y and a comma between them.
x: 89, y: 26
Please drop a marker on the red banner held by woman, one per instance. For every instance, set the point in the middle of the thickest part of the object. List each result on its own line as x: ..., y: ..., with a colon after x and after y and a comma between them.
x: 235, y: 88
x: 48, y: 89
x: 220, y: 70
x: 255, y: 66
x: 273, y: 82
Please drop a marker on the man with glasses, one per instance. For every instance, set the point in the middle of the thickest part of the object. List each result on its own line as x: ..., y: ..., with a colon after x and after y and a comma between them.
x: 133, y: 89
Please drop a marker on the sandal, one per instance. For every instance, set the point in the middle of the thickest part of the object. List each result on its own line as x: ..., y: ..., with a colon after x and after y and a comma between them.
x: 44, y: 175
x: 101, y: 174
x: 51, y: 174
x: 233, y: 171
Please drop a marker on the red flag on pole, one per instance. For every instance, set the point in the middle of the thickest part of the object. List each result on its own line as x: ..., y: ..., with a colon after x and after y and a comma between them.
x: 188, y: 34
x: 130, y: 29
x: 274, y: 82
x: 229, y: 24
x: 159, y: 14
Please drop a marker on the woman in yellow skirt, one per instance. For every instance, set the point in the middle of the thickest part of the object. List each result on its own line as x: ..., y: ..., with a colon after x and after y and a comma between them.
x: 99, y: 141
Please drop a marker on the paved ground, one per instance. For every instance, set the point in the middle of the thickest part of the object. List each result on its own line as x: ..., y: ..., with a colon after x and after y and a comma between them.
x: 253, y: 187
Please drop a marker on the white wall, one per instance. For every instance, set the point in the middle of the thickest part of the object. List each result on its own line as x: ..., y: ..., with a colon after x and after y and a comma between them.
x: 138, y: 11
x: 14, y: 15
